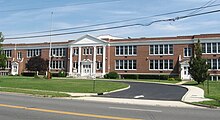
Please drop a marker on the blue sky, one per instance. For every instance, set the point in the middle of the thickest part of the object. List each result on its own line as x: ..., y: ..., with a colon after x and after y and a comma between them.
x: 74, y: 13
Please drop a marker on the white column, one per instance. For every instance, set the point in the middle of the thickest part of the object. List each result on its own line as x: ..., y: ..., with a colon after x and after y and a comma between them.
x: 79, y: 61
x: 103, y: 59
x: 94, y: 60
x: 71, y: 62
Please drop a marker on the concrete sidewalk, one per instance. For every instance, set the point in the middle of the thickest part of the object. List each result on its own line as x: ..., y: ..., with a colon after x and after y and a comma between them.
x: 194, y: 94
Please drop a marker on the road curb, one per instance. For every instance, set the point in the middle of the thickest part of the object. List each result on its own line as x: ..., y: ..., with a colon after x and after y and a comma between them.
x: 202, y: 105
x: 117, y: 90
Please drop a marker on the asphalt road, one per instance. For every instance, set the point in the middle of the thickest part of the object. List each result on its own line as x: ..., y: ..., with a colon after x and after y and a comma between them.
x: 150, y: 91
x: 21, y: 107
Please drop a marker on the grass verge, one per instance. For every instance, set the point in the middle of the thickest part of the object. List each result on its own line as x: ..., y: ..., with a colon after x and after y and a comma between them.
x: 146, y: 80
x: 212, y: 91
x: 35, y: 92
x: 57, y: 85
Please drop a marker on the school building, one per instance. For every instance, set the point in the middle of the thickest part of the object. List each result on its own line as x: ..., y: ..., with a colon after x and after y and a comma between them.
x: 90, y: 56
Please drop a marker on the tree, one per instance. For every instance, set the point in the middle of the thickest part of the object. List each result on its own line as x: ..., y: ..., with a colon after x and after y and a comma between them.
x: 198, y: 66
x: 37, y: 64
x: 3, y: 58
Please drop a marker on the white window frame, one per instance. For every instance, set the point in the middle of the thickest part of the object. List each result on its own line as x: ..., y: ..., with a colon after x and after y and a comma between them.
x: 19, y: 55
x: 134, y: 66
x: 206, y: 46
x: 159, y: 49
x: 188, y: 52
x: 158, y: 64
x: 99, y: 65
x: 8, y: 53
x: 122, y: 51
x: 99, y: 50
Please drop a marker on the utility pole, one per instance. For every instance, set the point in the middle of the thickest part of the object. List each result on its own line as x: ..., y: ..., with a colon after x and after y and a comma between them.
x: 49, y: 66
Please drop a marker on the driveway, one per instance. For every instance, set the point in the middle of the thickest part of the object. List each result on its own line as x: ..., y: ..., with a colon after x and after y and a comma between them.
x: 150, y: 91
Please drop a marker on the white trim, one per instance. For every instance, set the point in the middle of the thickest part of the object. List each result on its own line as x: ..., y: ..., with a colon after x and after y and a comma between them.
x: 71, y: 62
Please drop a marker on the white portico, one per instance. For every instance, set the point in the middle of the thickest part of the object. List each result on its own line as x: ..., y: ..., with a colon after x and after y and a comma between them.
x: 87, y: 57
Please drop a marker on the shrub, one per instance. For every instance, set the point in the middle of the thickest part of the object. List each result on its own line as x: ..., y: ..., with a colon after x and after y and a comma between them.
x: 112, y: 75
x: 130, y: 76
x: 28, y: 74
x: 178, y: 79
x: 106, y: 76
x: 62, y: 74
x: 171, y: 79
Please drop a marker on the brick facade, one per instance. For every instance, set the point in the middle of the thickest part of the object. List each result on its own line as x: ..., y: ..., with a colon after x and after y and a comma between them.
x: 138, y: 63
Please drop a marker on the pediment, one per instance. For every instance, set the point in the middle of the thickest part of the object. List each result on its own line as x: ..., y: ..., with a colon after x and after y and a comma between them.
x: 88, y: 40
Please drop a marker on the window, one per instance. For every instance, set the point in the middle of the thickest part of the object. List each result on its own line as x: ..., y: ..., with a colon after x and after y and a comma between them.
x: 170, y: 64
x: 125, y: 64
x: 170, y: 49
x: 187, y: 52
x: 151, y: 49
x: 218, y: 47
x: 219, y: 64
x: 214, y: 47
x: 151, y: 64
x: 156, y: 64
x: 156, y: 49
x: 117, y: 64
x: 161, y: 49
x: 8, y: 65
x: 125, y: 50
x: 19, y: 55
x: 117, y: 50
x: 165, y: 49
x: 58, y: 52
x: 98, y: 65
x: 130, y: 50
x: 210, y: 48
x: 166, y: 64
x: 33, y: 52
x: 75, y: 51
x: 75, y: 65
x: 7, y: 53
x: 87, y: 51
x: 57, y: 65
x: 130, y: 64
x: 161, y: 64
x: 203, y: 48
x: 214, y: 64
x: 209, y: 63
x: 99, y: 51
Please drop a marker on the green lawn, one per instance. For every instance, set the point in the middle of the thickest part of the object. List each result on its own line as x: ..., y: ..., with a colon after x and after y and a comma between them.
x: 214, y: 91
x: 59, y: 85
x: 147, y: 80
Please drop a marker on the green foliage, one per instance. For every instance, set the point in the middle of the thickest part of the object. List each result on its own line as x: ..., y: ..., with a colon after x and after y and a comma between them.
x: 31, y: 74
x: 178, y: 79
x: 112, y: 75
x: 171, y: 79
x: 62, y: 74
x: 1, y: 37
x: 130, y: 76
x: 3, y: 58
x: 198, y: 67
x: 37, y: 64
